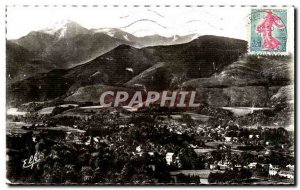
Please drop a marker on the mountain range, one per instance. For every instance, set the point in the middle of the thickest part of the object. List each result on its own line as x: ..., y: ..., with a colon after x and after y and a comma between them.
x: 71, y: 63
x: 67, y: 44
x: 154, y: 68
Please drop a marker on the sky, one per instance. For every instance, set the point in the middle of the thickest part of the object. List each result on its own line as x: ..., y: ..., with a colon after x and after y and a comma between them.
x: 139, y: 21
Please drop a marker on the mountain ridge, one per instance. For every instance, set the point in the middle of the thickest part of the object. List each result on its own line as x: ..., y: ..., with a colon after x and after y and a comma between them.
x: 69, y: 44
x: 124, y: 62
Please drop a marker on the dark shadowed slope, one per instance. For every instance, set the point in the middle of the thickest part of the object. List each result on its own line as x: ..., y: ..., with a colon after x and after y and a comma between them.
x: 113, y: 68
x: 251, y: 81
x: 200, y: 58
x: 21, y: 63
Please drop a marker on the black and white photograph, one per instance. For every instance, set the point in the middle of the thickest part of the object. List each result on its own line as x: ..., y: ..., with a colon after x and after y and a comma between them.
x: 150, y: 95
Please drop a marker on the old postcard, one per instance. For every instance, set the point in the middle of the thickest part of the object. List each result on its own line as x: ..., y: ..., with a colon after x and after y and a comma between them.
x: 150, y: 95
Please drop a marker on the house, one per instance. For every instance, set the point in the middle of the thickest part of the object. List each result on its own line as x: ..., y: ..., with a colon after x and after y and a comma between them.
x: 228, y: 139
x: 273, y: 170
x: 213, y: 166
x: 169, y: 158
x: 138, y: 148
x: 202, y: 174
x: 290, y: 167
x: 238, y: 166
x: 223, y: 165
x: 286, y: 174
x: 151, y: 153
x: 235, y: 139
x: 268, y: 151
x: 252, y: 165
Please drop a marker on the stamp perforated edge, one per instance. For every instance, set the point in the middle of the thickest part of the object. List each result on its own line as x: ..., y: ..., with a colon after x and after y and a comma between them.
x: 289, y: 28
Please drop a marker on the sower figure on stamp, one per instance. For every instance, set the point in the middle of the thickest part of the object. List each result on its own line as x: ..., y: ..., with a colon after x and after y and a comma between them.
x: 266, y: 28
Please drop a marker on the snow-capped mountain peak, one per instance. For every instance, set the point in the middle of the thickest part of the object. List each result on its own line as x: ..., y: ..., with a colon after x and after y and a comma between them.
x: 115, y: 33
x: 65, y: 29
